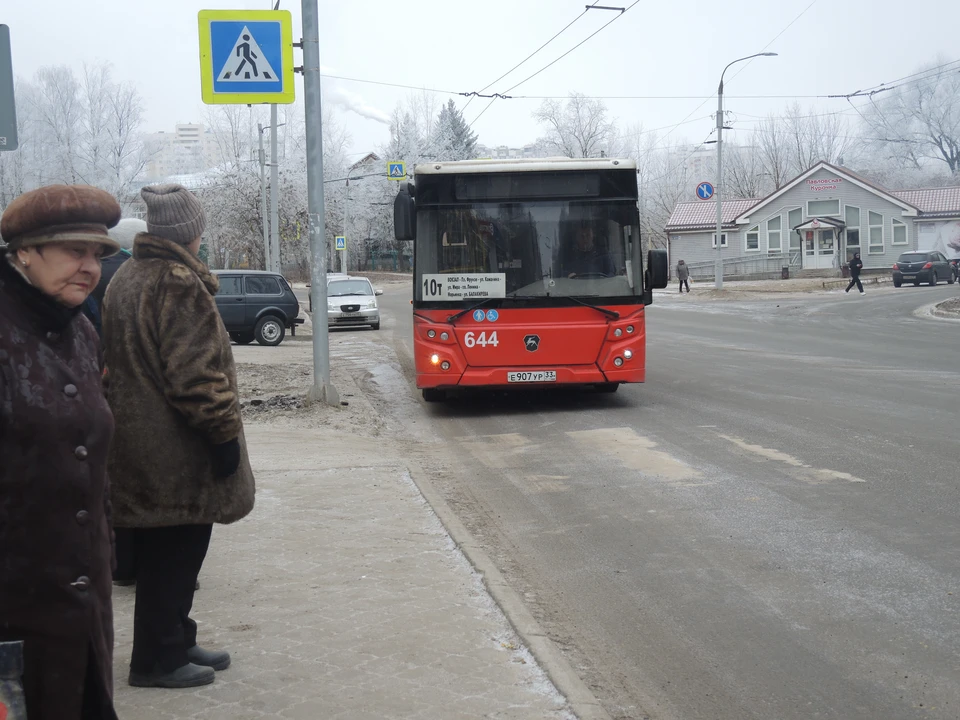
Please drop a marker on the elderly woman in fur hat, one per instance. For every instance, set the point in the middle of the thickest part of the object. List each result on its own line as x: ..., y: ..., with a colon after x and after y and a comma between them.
x: 55, y: 431
x: 179, y: 461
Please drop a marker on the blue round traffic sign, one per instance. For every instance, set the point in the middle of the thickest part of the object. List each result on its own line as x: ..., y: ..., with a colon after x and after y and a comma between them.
x: 478, y: 315
x: 492, y: 315
x: 704, y: 191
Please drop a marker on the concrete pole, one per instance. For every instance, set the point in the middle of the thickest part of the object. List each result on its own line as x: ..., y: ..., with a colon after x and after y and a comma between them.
x: 263, y: 201
x: 346, y: 220
x: 718, y: 269
x: 322, y: 390
x: 274, y: 193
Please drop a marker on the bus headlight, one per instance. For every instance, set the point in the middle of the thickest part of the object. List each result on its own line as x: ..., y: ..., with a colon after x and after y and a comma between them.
x: 618, y: 361
x: 445, y: 365
x: 431, y: 333
x: 629, y: 328
x: 435, y: 359
x: 444, y: 336
x: 627, y: 354
x: 618, y: 332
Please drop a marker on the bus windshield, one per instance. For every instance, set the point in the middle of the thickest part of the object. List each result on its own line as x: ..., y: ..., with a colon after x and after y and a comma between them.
x: 542, y: 248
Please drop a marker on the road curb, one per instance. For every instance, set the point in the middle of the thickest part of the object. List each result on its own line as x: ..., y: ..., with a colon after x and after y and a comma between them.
x: 926, y: 312
x: 583, y: 702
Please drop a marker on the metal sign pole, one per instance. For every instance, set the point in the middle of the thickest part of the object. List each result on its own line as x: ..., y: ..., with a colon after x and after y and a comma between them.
x: 263, y: 202
x: 274, y: 193
x: 8, y: 109
x: 322, y: 390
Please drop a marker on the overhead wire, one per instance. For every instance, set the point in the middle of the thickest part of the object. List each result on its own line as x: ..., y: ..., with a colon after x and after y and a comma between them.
x: 530, y: 77
x: 565, y: 27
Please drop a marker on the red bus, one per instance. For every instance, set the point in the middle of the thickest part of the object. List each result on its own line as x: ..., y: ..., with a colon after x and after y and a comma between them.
x: 527, y: 273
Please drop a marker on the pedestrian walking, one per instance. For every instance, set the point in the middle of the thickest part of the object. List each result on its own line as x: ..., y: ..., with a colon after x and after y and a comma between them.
x: 683, y: 273
x: 55, y: 431
x: 179, y: 462
x: 856, y: 265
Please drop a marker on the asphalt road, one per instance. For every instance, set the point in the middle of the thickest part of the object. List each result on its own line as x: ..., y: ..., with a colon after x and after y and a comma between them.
x: 767, y: 528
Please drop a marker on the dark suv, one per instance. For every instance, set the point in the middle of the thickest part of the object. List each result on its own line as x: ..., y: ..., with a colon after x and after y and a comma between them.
x: 257, y: 305
x: 919, y: 266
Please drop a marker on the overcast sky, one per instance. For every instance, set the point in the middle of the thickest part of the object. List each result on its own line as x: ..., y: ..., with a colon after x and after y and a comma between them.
x: 657, y: 48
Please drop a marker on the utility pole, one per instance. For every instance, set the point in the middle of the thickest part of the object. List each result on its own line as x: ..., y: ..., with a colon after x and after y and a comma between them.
x: 322, y: 390
x: 274, y: 193
x: 346, y: 220
x: 719, y: 187
x: 267, y: 264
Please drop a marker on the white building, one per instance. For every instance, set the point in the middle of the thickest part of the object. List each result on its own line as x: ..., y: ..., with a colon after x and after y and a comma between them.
x: 190, y: 148
x: 816, y: 222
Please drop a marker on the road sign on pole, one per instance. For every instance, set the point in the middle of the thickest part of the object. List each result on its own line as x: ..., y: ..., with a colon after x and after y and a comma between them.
x: 8, y: 109
x: 396, y: 170
x: 704, y: 191
x: 341, y: 242
x: 246, y: 57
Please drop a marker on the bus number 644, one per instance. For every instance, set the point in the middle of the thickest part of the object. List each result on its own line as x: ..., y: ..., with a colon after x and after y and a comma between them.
x: 471, y: 339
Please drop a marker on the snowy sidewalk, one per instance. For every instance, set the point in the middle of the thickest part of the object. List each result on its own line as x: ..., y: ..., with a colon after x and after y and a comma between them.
x: 341, y: 596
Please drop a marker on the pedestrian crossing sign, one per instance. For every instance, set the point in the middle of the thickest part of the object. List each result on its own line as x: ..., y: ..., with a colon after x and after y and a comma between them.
x: 341, y: 242
x: 246, y: 57
x: 396, y: 170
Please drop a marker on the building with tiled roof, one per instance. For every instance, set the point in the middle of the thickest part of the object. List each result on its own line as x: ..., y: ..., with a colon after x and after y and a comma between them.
x: 816, y: 222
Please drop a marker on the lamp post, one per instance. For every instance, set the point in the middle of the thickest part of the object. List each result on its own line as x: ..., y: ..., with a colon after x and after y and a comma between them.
x: 718, y: 269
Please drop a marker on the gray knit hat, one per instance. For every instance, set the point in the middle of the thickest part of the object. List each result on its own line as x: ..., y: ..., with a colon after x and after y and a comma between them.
x: 173, y: 213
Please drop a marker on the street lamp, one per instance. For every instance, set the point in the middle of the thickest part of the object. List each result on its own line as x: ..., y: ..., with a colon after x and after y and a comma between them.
x: 718, y: 270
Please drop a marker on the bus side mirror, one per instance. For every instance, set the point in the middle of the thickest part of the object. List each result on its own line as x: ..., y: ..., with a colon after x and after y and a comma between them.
x: 405, y: 214
x: 658, y: 269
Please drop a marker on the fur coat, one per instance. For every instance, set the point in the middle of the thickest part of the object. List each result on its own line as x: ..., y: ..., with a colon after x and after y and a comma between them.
x: 172, y: 384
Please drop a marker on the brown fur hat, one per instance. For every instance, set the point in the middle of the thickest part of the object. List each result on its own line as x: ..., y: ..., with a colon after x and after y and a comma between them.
x: 61, y: 213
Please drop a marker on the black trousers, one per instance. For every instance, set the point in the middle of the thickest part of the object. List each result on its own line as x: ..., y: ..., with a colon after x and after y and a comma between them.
x: 126, y: 554
x: 684, y: 282
x: 855, y: 281
x: 168, y: 563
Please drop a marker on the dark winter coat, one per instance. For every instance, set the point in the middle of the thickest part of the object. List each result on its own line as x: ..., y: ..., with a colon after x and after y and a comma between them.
x: 172, y: 384
x: 683, y: 272
x: 93, y: 307
x: 856, y: 265
x: 55, y: 537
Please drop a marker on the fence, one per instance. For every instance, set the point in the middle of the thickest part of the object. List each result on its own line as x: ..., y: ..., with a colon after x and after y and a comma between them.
x: 747, y: 266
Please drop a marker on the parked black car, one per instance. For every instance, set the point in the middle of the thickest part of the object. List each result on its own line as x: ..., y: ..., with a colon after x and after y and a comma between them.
x: 919, y: 266
x: 257, y: 305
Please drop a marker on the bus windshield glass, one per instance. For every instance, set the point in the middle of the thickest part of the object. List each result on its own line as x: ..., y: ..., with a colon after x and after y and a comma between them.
x: 533, y: 248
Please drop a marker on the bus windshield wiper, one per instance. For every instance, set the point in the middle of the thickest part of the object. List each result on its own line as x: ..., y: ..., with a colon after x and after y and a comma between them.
x: 613, y: 314
x: 457, y: 316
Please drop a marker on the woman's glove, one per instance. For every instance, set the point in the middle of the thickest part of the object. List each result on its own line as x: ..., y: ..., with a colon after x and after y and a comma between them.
x: 226, y: 458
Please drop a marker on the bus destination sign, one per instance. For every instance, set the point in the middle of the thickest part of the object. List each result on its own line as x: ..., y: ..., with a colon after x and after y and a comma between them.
x: 440, y: 286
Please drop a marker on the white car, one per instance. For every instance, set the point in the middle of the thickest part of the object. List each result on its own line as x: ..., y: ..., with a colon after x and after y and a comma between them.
x: 352, y: 301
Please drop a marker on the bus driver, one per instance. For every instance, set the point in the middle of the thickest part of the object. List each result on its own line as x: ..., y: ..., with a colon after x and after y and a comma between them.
x: 587, y: 260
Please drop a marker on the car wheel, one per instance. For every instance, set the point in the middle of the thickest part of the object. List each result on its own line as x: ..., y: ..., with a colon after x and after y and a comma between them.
x: 933, y: 280
x: 607, y: 387
x: 897, y: 283
x: 242, y: 338
x: 433, y: 395
x: 375, y: 326
x: 916, y: 283
x: 269, y: 331
x: 952, y: 279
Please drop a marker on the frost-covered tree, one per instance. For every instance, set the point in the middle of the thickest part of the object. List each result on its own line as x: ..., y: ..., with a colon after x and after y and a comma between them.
x: 917, y: 123
x: 453, y: 137
x: 74, y: 129
x: 578, y: 128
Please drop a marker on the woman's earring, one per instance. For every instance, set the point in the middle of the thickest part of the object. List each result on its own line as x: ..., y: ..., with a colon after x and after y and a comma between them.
x: 23, y: 262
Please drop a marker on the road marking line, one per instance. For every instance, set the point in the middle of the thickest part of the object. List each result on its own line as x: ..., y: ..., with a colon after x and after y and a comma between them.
x: 636, y: 452
x: 813, y: 474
